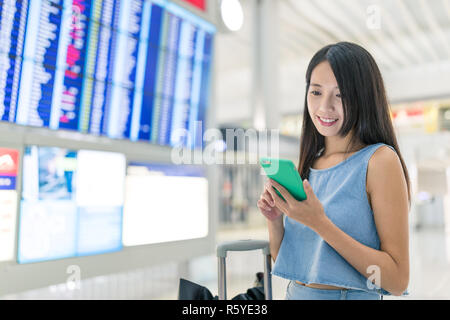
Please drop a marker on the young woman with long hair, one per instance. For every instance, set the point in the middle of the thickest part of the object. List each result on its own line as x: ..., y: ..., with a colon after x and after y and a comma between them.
x: 349, y: 239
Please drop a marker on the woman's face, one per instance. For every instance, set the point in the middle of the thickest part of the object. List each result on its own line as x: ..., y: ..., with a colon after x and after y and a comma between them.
x: 324, y: 100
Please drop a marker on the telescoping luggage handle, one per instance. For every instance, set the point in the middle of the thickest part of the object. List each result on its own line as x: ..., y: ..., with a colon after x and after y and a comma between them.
x: 244, y: 245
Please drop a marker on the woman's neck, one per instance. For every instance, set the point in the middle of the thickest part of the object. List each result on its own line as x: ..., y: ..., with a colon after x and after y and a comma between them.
x: 337, y: 144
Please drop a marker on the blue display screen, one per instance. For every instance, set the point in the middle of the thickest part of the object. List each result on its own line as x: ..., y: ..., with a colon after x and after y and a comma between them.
x: 134, y: 69
x: 71, y: 204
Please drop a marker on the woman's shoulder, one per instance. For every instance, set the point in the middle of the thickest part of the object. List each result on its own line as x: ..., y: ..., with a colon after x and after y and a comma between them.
x: 384, y: 155
x: 383, y: 165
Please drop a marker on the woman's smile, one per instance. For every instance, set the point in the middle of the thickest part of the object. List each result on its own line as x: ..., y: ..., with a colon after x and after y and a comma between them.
x: 327, y: 122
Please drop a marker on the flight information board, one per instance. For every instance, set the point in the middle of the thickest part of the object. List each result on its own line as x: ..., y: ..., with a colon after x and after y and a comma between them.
x: 71, y: 203
x: 164, y: 202
x: 126, y: 69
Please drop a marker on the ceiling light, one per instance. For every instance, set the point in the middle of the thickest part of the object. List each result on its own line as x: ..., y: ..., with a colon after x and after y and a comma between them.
x: 232, y: 14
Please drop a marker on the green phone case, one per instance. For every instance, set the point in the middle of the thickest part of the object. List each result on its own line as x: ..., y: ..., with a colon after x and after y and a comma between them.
x: 284, y: 172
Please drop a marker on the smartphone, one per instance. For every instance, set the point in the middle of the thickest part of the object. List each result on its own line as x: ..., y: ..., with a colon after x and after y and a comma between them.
x: 284, y: 172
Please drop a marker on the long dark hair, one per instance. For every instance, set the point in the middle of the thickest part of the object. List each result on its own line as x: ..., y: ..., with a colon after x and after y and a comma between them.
x: 364, y: 102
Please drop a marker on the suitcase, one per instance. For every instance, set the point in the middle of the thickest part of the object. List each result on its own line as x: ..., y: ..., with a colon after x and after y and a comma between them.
x: 243, y: 245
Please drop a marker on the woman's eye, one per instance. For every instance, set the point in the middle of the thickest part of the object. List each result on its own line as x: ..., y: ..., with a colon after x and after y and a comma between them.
x: 338, y: 95
x: 315, y: 93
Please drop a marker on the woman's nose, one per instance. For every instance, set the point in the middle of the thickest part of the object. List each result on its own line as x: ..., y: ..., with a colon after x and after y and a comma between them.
x: 326, y: 103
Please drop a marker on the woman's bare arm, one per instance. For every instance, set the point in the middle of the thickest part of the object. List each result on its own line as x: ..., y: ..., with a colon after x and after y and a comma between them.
x: 276, y: 233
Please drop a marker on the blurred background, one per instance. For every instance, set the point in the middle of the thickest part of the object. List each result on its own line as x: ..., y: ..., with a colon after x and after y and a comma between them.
x: 86, y: 152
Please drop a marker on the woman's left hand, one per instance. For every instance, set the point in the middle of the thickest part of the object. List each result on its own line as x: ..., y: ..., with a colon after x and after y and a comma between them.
x: 309, y: 212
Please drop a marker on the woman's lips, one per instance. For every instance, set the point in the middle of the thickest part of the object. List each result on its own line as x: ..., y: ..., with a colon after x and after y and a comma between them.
x: 327, y: 122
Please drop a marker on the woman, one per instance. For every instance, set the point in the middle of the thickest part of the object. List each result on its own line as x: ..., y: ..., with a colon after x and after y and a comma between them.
x: 349, y: 238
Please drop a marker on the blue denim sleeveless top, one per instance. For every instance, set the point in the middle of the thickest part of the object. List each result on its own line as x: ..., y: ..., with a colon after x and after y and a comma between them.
x: 304, y: 255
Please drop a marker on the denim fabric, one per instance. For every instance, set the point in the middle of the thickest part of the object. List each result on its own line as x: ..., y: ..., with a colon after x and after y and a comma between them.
x: 296, y: 291
x: 304, y: 255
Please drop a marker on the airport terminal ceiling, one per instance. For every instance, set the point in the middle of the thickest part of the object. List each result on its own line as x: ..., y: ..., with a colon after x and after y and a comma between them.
x: 410, y: 41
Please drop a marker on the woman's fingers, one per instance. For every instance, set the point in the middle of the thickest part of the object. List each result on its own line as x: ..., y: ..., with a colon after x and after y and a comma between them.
x: 262, y: 203
x: 267, y: 192
x: 280, y: 203
x: 269, y: 212
x: 286, y: 195
x: 266, y: 196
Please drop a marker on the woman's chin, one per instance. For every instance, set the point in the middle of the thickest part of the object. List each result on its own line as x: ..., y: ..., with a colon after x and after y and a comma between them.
x: 328, y: 132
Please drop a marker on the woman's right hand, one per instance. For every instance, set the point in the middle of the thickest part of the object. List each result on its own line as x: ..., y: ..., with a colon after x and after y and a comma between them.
x: 267, y: 206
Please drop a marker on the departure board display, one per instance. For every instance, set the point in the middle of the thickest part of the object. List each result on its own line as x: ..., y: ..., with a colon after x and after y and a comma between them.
x: 71, y: 203
x: 126, y: 69
x: 164, y: 202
